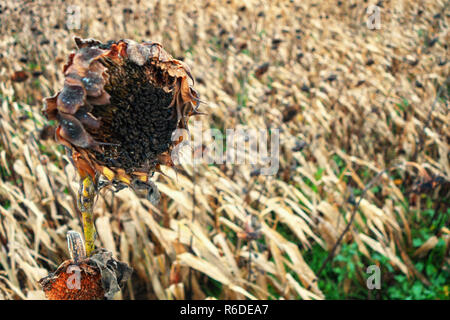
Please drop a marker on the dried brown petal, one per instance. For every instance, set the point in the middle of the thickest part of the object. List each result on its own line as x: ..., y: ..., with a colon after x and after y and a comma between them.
x: 70, y: 99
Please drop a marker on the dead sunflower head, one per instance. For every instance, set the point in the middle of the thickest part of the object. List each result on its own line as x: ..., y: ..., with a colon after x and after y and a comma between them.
x: 120, y: 104
x: 98, y: 277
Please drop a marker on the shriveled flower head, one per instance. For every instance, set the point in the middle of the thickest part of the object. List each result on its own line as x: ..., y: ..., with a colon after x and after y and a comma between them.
x: 120, y: 104
x: 62, y: 285
x: 98, y: 277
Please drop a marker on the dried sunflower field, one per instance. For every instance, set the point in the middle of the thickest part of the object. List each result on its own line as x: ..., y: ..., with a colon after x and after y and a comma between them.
x: 364, y: 174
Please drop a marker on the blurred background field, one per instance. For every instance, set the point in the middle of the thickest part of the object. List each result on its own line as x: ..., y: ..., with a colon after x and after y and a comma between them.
x: 361, y: 112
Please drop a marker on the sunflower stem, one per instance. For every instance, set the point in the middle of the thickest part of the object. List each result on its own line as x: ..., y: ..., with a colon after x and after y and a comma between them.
x: 86, y: 196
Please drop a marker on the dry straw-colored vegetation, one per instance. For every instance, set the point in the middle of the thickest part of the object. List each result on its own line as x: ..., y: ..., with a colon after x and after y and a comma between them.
x: 350, y: 103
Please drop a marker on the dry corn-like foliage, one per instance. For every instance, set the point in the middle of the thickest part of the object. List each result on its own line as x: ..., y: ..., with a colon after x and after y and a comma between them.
x: 336, y: 90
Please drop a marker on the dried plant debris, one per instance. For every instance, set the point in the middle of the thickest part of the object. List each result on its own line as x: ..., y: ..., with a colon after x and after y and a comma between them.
x: 95, y: 278
x: 114, y: 273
